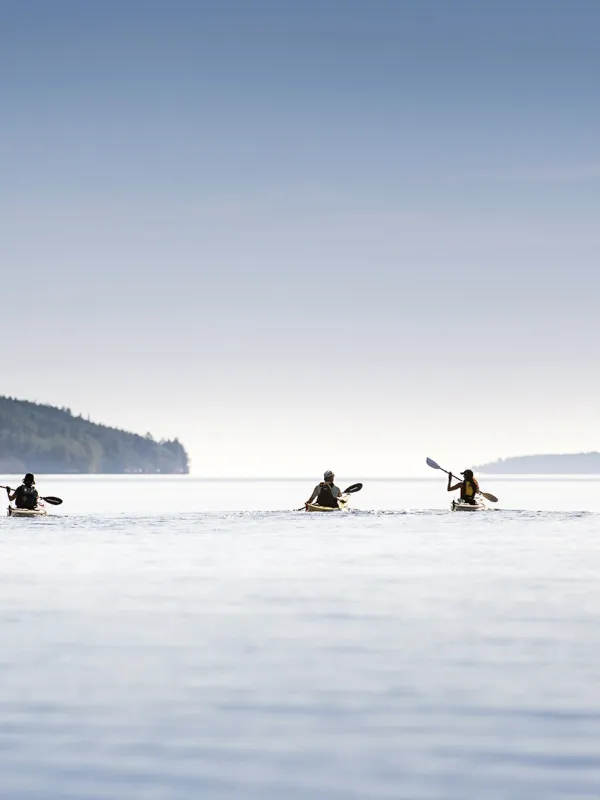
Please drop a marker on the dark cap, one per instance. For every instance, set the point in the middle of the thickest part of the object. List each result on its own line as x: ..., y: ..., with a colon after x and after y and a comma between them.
x: 468, y: 473
x: 29, y: 478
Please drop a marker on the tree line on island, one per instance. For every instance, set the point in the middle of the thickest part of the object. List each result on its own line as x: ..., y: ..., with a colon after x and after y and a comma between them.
x: 46, y: 439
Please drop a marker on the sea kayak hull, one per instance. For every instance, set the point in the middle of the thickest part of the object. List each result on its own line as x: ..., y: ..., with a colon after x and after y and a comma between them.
x: 343, y: 505
x: 40, y: 511
x: 458, y: 505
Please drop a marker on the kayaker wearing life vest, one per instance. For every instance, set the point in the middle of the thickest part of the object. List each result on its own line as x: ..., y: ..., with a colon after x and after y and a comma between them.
x: 326, y: 492
x: 26, y: 495
x: 469, y: 488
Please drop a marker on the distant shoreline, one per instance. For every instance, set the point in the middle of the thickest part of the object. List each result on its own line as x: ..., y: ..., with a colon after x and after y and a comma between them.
x: 549, y: 464
x: 47, y: 440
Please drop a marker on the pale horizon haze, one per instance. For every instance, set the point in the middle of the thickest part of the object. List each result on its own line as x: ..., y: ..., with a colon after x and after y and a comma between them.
x: 300, y: 236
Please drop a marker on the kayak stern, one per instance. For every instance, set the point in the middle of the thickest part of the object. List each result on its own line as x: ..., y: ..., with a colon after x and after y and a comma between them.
x: 458, y: 505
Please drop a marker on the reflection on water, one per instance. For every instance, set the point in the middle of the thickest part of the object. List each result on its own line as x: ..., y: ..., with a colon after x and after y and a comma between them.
x: 176, y: 653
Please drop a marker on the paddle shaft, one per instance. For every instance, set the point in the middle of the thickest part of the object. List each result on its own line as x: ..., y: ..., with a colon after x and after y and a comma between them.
x: 450, y: 474
x: 53, y: 501
x: 431, y: 463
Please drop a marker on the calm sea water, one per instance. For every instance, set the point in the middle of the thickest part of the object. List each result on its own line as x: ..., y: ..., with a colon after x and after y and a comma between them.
x: 172, y: 638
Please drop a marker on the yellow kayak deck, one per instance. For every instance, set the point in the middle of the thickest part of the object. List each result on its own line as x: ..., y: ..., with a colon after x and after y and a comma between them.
x: 343, y: 505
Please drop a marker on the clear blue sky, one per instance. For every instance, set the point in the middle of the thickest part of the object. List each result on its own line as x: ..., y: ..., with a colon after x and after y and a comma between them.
x: 308, y: 234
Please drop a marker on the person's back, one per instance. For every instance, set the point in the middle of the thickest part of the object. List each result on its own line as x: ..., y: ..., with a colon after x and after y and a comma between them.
x: 469, y: 488
x: 326, y: 496
x: 26, y: 496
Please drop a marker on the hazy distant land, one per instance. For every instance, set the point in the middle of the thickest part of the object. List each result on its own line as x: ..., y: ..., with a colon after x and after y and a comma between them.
x: 559, y: 464
x: 40, y: 438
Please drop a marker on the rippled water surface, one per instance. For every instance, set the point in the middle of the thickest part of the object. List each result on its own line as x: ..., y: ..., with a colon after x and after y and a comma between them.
x: 155, y: 646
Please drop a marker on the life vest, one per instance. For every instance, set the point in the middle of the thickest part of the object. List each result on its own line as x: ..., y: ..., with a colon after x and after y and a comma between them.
x: 325, y: 497
x: 468, y: 491
x: 27, y: 497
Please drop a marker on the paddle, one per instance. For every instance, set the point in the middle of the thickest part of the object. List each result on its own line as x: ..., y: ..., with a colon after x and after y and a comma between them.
x: 53, y: 501
x: 431, y: 463
x: 355, y: 487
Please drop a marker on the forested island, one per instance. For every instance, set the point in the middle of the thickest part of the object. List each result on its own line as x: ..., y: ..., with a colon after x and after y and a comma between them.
x: 42, y: 438
x: 565, y: 464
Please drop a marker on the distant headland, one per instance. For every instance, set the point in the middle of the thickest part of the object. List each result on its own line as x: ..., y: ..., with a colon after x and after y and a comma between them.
x: 565, y: 464
x: 45, y: 439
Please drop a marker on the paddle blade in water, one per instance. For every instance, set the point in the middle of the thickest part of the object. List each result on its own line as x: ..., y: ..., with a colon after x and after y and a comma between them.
x: 491, y: 497
x: 356, y: 487
x: 53, y: 501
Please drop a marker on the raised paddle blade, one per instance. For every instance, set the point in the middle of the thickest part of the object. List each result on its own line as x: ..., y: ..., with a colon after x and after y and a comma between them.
x: 431, y: 463
x: 356, y: 487
x: 491, y: 497
x: 53, y: 501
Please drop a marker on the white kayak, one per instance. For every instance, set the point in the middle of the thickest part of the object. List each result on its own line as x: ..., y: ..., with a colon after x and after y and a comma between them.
x: 40, y: 511
x: 460, y: 505
x: 343, y: 503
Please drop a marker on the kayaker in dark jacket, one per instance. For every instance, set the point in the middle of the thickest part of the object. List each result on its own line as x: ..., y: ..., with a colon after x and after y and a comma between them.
x: 469, y: 488
x: 326, y: 493
x: 25, y: 496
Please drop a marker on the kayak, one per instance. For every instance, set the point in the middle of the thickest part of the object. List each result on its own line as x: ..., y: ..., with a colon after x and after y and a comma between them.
x: 459, y: 505
x: 40, y: 511
x: 343, y: 505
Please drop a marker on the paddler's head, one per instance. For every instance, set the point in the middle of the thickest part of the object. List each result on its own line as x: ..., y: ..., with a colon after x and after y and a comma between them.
x: 468, y: 474
x: 328, y: 476
x: 29, y: 480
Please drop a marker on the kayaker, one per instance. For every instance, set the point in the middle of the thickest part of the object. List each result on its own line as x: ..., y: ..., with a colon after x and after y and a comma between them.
x: 326, y: 493
x: 469, y: 488
x: 26, y: 495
